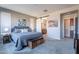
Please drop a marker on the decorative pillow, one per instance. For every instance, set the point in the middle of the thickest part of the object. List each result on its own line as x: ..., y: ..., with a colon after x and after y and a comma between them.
x: 24, y: 30
x: 17, y: 31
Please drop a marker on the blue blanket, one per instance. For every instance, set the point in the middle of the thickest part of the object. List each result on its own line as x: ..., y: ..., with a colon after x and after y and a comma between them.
x: 21, y: 39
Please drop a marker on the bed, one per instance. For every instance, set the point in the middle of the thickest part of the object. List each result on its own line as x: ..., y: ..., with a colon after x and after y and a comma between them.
x: 21, y: 38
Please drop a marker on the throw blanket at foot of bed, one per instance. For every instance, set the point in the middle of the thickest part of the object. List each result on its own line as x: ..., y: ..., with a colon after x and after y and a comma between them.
x: 21, y: 39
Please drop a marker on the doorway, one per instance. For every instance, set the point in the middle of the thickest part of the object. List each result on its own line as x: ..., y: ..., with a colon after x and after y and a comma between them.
x: 69, y: 27
x: 44, y: 26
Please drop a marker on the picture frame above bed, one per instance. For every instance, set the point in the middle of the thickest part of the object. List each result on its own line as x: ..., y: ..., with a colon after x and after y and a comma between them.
x: 21, y: 22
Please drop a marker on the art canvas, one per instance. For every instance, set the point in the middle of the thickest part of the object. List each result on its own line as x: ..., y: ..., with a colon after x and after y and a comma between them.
x: 52, y: 23
x: 22, y: 22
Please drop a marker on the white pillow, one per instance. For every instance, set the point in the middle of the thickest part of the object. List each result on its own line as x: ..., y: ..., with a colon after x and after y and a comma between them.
x: 21, y: 30
x: 24, y: 30
x: 17, y: 31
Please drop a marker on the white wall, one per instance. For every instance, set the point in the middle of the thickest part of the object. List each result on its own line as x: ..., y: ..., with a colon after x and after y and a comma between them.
x: 54, y: 32
x: 38, y: 25
x: 32, y: 24
x: 16, y: 16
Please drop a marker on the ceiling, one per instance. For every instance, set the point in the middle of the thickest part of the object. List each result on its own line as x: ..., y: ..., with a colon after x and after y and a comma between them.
x: 36, y: 10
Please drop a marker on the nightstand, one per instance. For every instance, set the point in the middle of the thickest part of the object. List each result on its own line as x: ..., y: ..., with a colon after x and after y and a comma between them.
x: 1, y: 39
x: 6, y: 38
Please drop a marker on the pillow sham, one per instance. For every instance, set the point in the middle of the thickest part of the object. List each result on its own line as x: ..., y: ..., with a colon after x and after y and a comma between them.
x: 17, y: 31
x: 24, y: 30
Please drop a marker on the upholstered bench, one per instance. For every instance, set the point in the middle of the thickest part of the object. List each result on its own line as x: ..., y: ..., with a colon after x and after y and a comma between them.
x: 32, y: 43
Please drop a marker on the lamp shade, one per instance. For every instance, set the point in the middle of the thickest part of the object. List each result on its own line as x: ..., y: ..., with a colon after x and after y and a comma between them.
x: 6, y: 29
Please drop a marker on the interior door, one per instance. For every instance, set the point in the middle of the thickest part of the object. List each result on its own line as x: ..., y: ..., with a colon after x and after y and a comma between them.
x: 66, y: 28
x: 69, y: 27
x: 72, y: 27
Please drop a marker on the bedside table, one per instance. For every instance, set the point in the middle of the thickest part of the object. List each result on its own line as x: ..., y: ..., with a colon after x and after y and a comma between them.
x: 1, y: 39
x: 6, y: 38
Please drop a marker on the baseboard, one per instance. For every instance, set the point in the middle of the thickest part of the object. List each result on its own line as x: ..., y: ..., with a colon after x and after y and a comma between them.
x: 51, y: 38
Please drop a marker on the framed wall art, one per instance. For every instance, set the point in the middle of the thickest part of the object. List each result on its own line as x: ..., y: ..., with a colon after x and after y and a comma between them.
x: 52, y: 23
x: 22, y: 22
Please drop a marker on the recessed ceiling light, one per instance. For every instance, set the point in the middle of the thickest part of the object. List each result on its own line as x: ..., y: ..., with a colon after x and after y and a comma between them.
x: 45, y: 10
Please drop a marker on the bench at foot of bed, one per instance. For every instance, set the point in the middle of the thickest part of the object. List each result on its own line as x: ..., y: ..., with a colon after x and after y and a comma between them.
x: 34, y: 43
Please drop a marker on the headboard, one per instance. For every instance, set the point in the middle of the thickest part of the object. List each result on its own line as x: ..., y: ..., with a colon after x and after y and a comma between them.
x: 21, y: 27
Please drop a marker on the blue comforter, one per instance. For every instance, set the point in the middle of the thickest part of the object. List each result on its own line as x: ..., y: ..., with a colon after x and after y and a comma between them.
x: 21, y: 39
